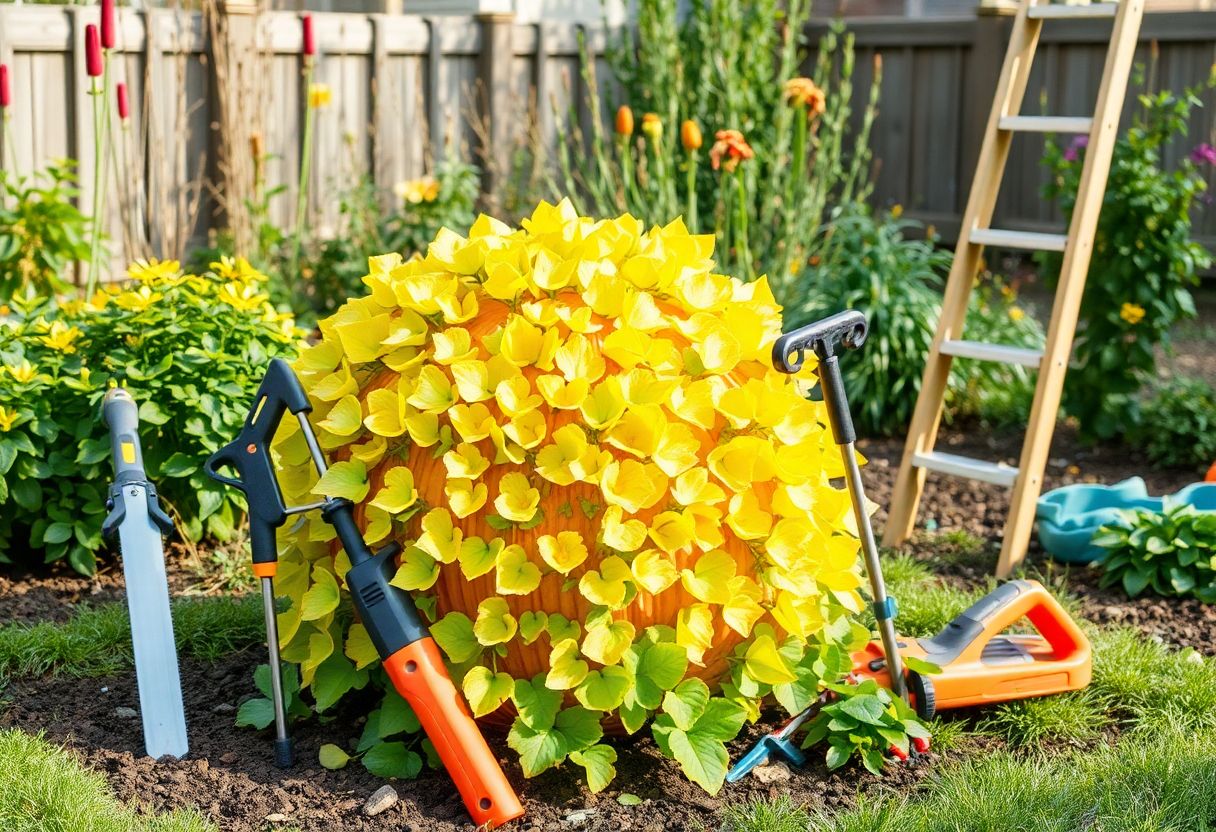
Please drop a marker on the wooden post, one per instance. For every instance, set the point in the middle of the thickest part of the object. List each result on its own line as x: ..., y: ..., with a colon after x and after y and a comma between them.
x: 496, y: 95
x: 992, y: 30
x: 233, y: 64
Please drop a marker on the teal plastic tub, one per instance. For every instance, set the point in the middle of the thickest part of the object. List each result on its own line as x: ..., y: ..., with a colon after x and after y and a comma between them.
x: 1070, y: 516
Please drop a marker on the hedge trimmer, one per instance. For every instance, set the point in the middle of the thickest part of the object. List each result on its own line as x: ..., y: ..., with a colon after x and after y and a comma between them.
x: 138, y: 521
x: 407, y: 651
x: 969, y: 662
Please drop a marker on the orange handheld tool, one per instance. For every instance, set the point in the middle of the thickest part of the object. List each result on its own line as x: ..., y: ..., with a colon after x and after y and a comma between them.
x: 982, y: 665
x: 409, y: 654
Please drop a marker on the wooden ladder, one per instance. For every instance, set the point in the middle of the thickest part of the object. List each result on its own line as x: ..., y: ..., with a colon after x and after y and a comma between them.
x: 975, y: 232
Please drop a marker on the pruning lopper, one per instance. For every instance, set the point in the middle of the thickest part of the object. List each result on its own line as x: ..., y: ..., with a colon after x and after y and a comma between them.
x: 408, y: 652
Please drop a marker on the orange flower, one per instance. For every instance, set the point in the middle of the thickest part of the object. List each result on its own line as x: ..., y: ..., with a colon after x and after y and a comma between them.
x: 732, y: 145
x: 690, y: 135
x: 803, y: 92
x: 624, y: 121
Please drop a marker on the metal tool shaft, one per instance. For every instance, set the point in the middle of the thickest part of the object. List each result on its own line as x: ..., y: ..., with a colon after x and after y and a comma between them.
x: 878, y: 587
x: 282, y: 741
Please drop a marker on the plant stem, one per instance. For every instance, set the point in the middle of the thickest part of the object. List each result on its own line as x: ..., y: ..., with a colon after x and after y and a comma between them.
x: 302, y: 188
x: 690, y: 213
x: 745, y: 255
x: 626, y: 153
x: 98, y: 139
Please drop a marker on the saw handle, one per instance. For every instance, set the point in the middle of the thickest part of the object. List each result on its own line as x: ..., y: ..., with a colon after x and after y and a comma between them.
x: 418, y: 673
x: 249, y: 455
x: 121, y: 416
x: 847, y: 329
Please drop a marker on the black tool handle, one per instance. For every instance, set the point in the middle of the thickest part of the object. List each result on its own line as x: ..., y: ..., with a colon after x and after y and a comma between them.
x: 847, y: 329
x: 249, y: 455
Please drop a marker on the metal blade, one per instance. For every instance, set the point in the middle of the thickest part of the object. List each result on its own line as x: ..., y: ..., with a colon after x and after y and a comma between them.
x: 160, y: 688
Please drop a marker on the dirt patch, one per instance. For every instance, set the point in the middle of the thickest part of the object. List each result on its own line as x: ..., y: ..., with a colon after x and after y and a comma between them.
x: 230, y: 777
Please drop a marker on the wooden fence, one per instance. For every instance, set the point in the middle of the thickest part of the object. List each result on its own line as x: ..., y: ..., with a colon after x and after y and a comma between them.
x: 406, y: 87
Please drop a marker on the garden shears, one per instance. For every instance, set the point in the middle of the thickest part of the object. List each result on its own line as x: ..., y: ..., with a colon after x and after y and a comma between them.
x: 408, y: 652
x: 137, y: 520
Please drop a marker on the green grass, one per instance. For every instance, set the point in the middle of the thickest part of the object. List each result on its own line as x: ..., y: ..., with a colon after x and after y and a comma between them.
x: 926, y: 604
x: 1165, y: 782
x: 780, y: 815
x: 97, y: 640
x: 43, y: 789
x: 1151, y: 686
x: 1069, y: 717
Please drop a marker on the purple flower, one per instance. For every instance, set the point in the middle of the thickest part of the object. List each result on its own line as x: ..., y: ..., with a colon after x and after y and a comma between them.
x: 1074, y: 148
x: 1204, y: 153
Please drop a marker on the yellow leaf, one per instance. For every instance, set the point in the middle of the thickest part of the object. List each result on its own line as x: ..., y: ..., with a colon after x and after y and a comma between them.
x: 694, y: 487
x: 562, y: 552
x: 579, y: 359
x: 359, y: 648
x: 517, y: 500
x: 695, y: 631
x: 385, y: 412
x: 433, y: 391
x: 515, y: 396
x: 478, y: 557
x: 452, y: 344
x: 494, y: 624
x: 604, y: 405
x: 709, y: 579
x: 472, y: 380
x: 627, y: 536
x: 654, y: 571
x: 765, y: 664
x: 363, y: 340
x: 472, y: 421
x: 563, y: 395
x: 440, y: 537
x: 465, y: 462
x: 606, y: 643
x: 633, y: 485
x: 566, y: 669
x: 743, y: 609
x: 486, y: 690
x: 747, y: 517
x: 398, y: 492
x: 344, y: 418
x: 465, y: 497
x: 515, y: 574
x: 638, y: 431
x: 418, y: 570
x: 607, y: 586
x: 678, y: 450
x: 672, y: 531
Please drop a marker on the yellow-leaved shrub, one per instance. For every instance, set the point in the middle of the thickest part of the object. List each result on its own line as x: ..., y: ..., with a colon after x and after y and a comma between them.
x: 614, y: 509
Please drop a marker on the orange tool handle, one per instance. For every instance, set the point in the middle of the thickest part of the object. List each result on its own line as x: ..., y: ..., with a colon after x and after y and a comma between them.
x: 419, y: 675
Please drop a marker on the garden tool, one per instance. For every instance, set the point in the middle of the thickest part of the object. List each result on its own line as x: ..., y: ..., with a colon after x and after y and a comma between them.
x: 846, y: 329
x: 137, y: 519
x: 408, y: 652
x: 778, y: 743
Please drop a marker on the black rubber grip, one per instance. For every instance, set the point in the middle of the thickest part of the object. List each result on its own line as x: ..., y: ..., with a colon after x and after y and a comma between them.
x: 284, y: 752
x: 956, y: 636
x: 121, y: 416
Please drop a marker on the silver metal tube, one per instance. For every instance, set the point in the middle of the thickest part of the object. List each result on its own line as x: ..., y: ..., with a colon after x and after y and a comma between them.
x: 318, y: 458
x: 878, y: 587
x: 276, y: 669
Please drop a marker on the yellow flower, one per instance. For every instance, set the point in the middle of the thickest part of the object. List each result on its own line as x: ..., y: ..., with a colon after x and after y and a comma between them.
x: 8, y: 418
x: 319, y: 95
x: 652, y: 126
x: 517, y: 500
x: 1016, y: 313
x: 415, y: 191
x: 23, y: 372
x: 228, y: 268
x: 242, y: 296
x: 152, y: 270
x: 137, y: 300
x: 61, y: 338
x: 1133, y: 313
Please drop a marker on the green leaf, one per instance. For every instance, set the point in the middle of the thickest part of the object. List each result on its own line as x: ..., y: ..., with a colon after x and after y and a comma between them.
x: 538, y: 749
x: 332, y: 757
x: 322, y: 597
x: 863, y: 708
x: 454, y: 633
x: 1134, y: 581
x: 57, y: 533
x: 598, y: 762
x: 660, y: 667
x: 838, y: 755
x: 604, y: 690
x: 536, y: 704
x: 686, y: 702
x: 396, y: 716
x: 393, y: 760
x: 486, y: 690
x: 347, y: 479
x: 580, y: 727
x: 335, y: 676
x: 702, y: 758
x: 722, y: 720
x: 178, y: 465
x: 627, y: 799
x: 921, y: 666
x: 256, y: 713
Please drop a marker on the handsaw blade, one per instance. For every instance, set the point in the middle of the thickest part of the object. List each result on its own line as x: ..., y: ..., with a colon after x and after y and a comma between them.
x: 156, y: 671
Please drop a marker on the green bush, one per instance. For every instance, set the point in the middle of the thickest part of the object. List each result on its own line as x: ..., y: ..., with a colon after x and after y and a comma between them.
x: 1173, y: 552
x: 190, y: 348
x: 1143, y: 260
x: 870, y: 263
x: 1179, y: 425
x: 42, y: 232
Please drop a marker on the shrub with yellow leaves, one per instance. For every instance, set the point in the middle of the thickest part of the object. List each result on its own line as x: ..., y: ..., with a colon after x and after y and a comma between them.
x: 614, y: 509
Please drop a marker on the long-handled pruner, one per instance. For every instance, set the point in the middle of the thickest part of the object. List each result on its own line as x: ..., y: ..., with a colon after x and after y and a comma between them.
x: 846, y: 329
x: 408, y: 652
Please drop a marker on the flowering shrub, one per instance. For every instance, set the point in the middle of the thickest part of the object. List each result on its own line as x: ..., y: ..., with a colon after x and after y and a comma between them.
x: 190, y: 348
x: 1179, y: 425
x: 42, y: 233
x: 1144, y: 259
x: 614, y: 509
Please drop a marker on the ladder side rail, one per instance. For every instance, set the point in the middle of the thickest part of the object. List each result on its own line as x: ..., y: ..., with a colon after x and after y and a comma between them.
x: 1070, y: 287
x: 989, y: 170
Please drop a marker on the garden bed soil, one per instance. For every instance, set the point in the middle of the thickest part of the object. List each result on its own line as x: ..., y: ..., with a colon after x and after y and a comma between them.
x: 229, y: 773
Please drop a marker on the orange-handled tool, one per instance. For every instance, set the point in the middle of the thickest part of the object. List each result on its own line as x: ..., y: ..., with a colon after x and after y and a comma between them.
x: 404, y: 644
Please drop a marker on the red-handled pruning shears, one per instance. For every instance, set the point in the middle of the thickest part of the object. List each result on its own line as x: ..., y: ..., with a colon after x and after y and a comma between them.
x: 407, y: 651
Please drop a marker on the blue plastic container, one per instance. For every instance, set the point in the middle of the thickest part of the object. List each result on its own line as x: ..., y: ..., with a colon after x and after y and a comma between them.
x: 1070, y: 516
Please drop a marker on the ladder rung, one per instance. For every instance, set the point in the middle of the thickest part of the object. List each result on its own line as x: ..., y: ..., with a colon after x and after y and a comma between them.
x: 1046, y: 124
x: 1032, y: 240
x: 963, y: 466
x: 993, y: 352
x: 1057, y: 11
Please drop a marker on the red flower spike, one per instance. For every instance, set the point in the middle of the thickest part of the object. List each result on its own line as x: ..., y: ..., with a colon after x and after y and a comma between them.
x: 124, y: 103
x: 921, y: 744
x: 6, y: 96
x: 92, y: 51
x: 310, y: 41
x: 109, y: 37
x: 898, y: 753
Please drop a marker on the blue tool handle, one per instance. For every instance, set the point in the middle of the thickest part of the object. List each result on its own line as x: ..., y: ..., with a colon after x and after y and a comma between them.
x: 758, y: 756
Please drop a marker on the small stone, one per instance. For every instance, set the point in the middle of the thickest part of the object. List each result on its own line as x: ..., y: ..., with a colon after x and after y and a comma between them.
x: 1194, y: 658
x: 777, y: 772
x: 105, y: 689
x: 382, y: 799
x: 579, y: 816
x: 277, y: 817
x: 126, y: 713
x: 223, y: 708
x: 229, y: 757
